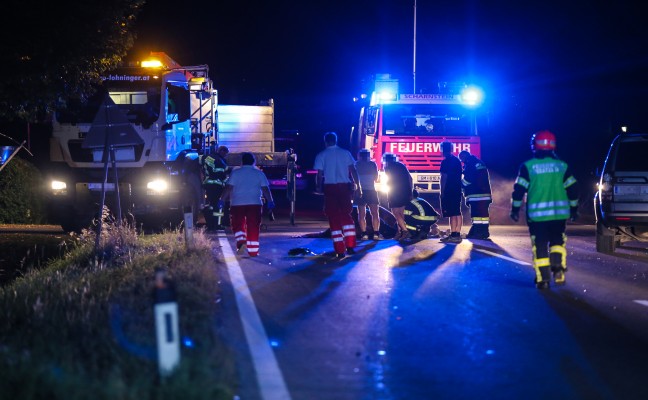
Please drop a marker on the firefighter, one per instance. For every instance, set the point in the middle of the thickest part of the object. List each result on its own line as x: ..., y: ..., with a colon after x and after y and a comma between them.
x: 552, y: 198
x: 420, y: 217
x: 214, y: 171
x: 477, y: 192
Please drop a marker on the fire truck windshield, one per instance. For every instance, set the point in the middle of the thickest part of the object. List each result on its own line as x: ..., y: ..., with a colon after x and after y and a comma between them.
x: 140, y: 102
x: 426, y: 120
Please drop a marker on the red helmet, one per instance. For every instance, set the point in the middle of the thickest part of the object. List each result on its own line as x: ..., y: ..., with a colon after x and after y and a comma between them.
x: 543, y: 140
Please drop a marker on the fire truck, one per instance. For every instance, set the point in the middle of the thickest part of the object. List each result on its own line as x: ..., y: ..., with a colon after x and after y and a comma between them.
x: 134, y: 146
x: 413, y: 126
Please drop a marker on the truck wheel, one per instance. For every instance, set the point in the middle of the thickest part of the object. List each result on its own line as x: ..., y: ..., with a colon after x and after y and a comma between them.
x: 72, y: 221
x: 605, y: 239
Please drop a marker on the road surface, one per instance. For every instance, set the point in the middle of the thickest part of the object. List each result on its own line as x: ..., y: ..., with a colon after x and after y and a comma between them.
x: 433, y: 321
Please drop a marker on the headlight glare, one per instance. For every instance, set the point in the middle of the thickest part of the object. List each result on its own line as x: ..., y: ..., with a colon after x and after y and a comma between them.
x: 58, y: 185
x: 157, y: 186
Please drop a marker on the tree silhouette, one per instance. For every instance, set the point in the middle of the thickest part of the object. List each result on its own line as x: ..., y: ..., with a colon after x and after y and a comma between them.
x: 55, y: 51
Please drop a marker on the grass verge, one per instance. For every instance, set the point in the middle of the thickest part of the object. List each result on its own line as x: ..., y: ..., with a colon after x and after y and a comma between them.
x: 83, y: 327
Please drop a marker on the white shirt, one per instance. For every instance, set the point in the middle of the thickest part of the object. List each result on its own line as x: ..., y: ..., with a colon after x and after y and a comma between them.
x: 334, y: 161
x: 246, y: 182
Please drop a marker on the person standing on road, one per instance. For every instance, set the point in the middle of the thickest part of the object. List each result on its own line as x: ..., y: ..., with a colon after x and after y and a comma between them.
x: 477, y: 192
x: 552, y: 198
x: 245, y: 187
x: 214, y: 171
x: 367, y: 196
x: 337, y: 178
x: 451, y: 193
x: 400, y: 192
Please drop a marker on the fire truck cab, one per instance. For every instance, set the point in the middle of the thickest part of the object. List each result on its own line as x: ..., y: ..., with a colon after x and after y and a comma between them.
x: 413, y: 126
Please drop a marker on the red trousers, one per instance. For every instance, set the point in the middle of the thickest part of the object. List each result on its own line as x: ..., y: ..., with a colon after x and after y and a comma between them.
x: 338, y: 208
x: 246, y: 223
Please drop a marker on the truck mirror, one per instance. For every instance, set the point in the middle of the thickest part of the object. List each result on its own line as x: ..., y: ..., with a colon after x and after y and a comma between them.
x: 370, y: 121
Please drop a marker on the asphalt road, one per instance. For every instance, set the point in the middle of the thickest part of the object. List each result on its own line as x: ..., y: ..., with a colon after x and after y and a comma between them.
x: 433, y: 321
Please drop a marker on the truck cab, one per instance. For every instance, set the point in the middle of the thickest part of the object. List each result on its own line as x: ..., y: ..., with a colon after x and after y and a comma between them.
x: 133, y: 145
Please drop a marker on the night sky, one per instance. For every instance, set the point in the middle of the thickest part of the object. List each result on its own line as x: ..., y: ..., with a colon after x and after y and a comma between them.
x: 577, y: 68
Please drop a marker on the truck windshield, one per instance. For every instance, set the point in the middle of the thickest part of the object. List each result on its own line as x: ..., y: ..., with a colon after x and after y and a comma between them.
x: 427, y: 120
x: 139, y: 102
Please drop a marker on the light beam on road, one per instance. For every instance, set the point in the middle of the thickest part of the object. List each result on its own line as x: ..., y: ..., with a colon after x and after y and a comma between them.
x: 460, y: 257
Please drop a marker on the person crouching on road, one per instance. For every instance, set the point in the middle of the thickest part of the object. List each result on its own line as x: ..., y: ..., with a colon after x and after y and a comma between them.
x: 420, y: 217
x: 367, y: 197
x: 244, y: 189
x: 552, y: 198
x: 337, y: 177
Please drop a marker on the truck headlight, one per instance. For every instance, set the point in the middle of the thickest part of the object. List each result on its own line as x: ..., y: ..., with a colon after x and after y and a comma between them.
x: 157, y: 186
x: 58, y: 186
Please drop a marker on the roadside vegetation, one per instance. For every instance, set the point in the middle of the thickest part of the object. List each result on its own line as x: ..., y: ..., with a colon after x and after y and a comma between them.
x: 21, y: 195
x: 83, y: 326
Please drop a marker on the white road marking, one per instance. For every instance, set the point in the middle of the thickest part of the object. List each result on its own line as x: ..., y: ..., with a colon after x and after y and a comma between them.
x: 269, y: 376
x: 642, y: 302
x: 503, y: 257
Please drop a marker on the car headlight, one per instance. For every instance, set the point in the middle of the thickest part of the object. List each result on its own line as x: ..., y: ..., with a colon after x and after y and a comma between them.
x: 157, y: 186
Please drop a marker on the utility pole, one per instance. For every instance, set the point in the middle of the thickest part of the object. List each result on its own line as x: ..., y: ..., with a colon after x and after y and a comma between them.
x: 414, y: 57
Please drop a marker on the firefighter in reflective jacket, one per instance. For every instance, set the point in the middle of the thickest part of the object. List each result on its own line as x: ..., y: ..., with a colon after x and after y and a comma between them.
x: 420, y: 217
x: 477, y: 192
x: 552, y: 198
x: 214, y: 169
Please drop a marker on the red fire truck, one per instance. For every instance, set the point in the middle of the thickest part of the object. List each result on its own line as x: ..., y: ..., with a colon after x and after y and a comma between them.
x: 413, y: 126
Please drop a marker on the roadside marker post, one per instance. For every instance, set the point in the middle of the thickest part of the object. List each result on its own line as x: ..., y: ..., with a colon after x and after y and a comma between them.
x: 189, y: 227
x: 166, y: 323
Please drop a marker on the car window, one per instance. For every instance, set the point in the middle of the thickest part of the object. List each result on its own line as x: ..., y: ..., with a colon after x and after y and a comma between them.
x: 631, y: 156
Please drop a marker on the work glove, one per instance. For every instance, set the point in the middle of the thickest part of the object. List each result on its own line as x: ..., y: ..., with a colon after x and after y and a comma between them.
x: 515, y: 215
x: 221, y: 203
x: 573, y: 214
x: 271, y: 205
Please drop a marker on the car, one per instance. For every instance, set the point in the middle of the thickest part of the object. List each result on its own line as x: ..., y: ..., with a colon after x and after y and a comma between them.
x: 621, y: 201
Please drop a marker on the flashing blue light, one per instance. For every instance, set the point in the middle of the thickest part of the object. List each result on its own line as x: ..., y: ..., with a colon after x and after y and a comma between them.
x: 472, y: 96
x: 387, y: 96
x: 6, y: 153
x: 187, y: 342
x: 274, y: 343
